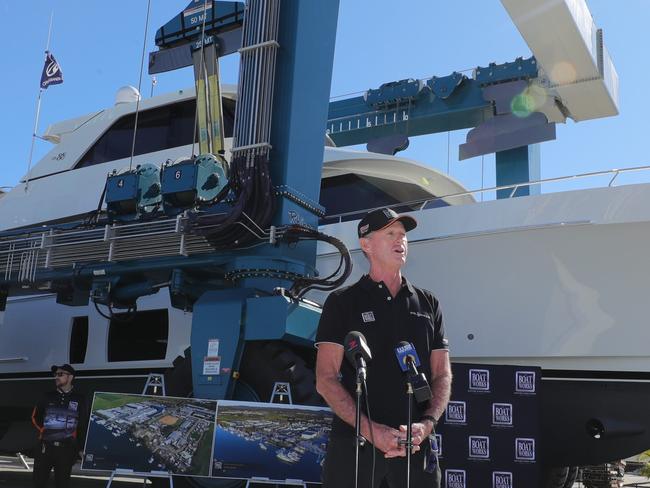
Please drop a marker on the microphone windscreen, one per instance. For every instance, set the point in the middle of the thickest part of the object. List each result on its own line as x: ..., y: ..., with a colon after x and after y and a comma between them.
x: 355, y: 344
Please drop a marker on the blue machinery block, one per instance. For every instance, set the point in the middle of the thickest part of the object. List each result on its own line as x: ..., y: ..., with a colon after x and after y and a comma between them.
x: 191, y: 182
x: 234, y: 317
x: 132, y: 193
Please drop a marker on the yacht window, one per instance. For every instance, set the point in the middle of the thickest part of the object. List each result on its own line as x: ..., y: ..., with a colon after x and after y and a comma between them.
x: 159, y: 128
x: 78, y: 340
x: 138, y: 337
x: 352, y: 192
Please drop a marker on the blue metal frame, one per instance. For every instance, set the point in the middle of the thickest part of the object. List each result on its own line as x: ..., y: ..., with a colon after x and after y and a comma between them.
x: 187, y: 25
x: 303, y: 78
x: 413, y: 108
x: 518, y: 165
x: 356, y: 121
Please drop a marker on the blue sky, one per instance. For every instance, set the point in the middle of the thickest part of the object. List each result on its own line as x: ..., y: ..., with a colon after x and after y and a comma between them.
x: 98, y: 45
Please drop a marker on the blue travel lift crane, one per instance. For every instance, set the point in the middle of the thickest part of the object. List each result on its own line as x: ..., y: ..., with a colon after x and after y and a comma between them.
x: 249, y: 307
x: 243, y: 249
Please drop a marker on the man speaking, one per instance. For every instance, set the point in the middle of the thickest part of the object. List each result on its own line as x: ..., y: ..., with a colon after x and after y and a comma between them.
x: 391, y: 315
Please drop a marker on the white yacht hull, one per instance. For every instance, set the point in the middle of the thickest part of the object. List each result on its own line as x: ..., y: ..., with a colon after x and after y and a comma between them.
x: 563, y: 289
x: 556, y: 281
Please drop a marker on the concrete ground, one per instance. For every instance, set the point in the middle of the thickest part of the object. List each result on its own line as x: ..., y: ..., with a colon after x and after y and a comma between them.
x: 14, y: 475
x: 636, y: 481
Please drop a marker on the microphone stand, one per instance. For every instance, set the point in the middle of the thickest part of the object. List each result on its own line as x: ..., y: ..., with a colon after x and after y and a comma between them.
x: 409, y: 433
x: 359, y: 440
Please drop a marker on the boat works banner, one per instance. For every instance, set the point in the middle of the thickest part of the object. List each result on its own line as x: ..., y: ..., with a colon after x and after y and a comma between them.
x: 488, y: 437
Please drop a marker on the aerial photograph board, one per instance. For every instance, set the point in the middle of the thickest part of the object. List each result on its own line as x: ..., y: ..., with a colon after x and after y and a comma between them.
x: 149, y: 433
x: 269, y: 440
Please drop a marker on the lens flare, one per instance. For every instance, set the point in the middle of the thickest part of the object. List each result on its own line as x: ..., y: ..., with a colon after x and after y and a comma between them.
x: 532, y: 99
x: 522, y: 105
x: 563, y: 73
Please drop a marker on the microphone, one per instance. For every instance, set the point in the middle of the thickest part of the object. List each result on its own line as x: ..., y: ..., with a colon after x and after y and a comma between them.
x: 357, y: 352
x: 408, y: 360
x: 407, y: 357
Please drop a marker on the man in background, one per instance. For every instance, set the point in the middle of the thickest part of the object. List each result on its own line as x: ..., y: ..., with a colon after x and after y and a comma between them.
x: 60, y: 417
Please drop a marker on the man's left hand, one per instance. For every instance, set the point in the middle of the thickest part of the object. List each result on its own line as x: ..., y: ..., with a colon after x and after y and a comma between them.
x: 419, y: 432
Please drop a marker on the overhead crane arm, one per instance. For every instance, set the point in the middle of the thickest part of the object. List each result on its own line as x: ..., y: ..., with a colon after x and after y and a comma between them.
x: 409, y: 107
x: 383, y: 117
x: 510, y: 107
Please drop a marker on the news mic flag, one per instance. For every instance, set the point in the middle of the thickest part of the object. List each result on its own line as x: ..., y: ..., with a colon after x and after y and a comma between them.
x: 405, y: 351
x: 52, y: 74
x: 356, y: 346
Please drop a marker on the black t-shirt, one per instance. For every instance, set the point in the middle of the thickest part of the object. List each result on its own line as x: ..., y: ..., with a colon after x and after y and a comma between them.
x: 413, y: 315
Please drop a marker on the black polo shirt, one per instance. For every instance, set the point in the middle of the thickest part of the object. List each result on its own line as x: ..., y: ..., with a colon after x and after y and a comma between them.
x: 413, y: 315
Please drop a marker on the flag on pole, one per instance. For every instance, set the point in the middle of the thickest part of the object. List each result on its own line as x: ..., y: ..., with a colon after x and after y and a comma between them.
x: 52, y: 74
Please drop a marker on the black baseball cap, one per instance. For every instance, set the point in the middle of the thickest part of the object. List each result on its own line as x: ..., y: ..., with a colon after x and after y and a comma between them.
x: 65, y: 367
x: 383, y: 217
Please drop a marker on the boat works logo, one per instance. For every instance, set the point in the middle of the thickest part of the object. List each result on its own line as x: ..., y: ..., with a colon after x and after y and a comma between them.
x: 456, y: 413
x: 438, y: 444
x: 455, y: 478
x: 368, y: 317
x: 479, y: 380
x: 479, y: 447
x: 502, y: 414
x: 524, y: 449
x: 525, y: 382
x: 501, y: 479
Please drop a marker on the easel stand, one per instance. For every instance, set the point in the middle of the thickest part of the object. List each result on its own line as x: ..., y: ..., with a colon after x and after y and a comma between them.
x: 22, y: 460
x: 280, y: 389
x: 129, y: 473
x: 155, y: 381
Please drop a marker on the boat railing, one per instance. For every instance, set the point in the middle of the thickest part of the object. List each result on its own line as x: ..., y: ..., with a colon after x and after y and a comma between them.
x: 422, y: 203
x: 14, y: 360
